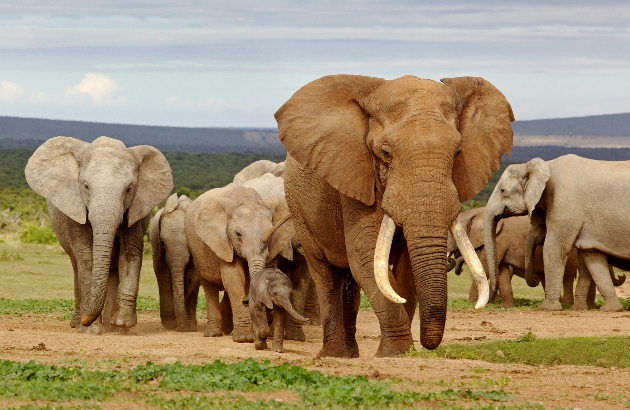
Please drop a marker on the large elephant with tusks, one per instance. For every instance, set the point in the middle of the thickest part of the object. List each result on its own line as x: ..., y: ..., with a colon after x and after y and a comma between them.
x: 375, y: 173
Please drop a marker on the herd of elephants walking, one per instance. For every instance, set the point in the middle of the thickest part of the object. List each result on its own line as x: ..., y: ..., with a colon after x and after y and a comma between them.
x: 369, y: 198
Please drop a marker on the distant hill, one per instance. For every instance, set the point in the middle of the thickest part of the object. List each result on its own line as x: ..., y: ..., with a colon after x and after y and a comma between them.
x: 610, y: 125
x: 593, y: 131
x: 31, y: 132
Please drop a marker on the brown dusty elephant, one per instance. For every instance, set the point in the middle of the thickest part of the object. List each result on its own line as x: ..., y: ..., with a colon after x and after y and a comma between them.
x: 177, y: 278
x: 388, y: 161
x: 100, y: 197
x: 232, y: 234
x: 577, y: 202
x: 269, y: 184
x: 511, y: 238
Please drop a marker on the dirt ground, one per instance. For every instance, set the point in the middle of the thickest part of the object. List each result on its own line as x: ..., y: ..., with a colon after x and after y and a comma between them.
x: 46, y: 339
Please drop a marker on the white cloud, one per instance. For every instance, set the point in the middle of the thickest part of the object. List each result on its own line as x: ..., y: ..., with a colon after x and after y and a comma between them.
x: 10, y: 91
x: 100, y: 89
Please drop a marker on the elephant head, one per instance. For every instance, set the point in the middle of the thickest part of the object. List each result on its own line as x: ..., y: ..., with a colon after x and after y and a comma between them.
x: 242, y: 223
x: 104, y: 183
x: 170, y: 257
x: 518, y: 192
x: 411, y: 149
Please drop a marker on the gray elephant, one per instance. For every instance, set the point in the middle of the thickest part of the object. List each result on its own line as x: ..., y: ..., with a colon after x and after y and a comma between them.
x: 232, y: 234
x: 177, y: 278
x: 580, y: 203
x: 99, y: 198
x: 270, y: 291
x: 511, y: 238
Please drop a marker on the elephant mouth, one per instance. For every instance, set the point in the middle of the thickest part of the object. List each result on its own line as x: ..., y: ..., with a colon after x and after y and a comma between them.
x: 381, y: 261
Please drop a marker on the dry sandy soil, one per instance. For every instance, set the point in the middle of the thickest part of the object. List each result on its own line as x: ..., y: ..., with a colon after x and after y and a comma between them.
x: 551, y: 386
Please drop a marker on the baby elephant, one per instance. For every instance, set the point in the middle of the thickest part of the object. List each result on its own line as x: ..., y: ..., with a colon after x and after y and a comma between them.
x: 270, y: 289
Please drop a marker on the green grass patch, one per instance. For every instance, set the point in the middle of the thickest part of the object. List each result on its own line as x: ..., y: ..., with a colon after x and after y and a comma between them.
x: 10, y: 256
x: 33, y: 381
x: 31, y: 233
x: 528, y: 349
x: 460, y: 303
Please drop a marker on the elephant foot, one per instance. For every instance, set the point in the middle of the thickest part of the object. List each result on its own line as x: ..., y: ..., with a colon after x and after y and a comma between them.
x: 242, y: 336
x: 75, y: 322
x: 277, y: 347
x: 566, y: 300
x: 394, y: 347
x: 169, y: 325
x: 93, y: 329
x: 580, y: 305
x: 507, y: 304
x: 260, y: 344
x: 550, y: 305
x: 353, y: 348
x: 212, y: 331
x: 190, y: 327
x: 124, y: 317
x: 294, y: 333
x: 611, y: 305
x: 334, y: 349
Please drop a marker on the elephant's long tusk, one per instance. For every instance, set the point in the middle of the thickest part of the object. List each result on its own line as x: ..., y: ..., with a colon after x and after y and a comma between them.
x: 381, y: 260
x: 473, y: 262
x: 275, y: 227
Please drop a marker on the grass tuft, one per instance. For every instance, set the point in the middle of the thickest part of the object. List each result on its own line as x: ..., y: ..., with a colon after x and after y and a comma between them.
x: 528, y: 349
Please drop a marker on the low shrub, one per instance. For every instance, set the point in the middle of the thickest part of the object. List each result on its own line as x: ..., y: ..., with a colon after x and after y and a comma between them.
x: 31, y: 233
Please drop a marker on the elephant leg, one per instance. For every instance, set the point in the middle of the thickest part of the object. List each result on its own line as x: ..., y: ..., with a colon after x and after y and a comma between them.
x: 129, y: 266
x: 76, y: 317
x: 568, y: 280
x: 226, y: 313
x: 236, y: 286
x: 191, y: 295
x: 505, y: 286
x: 351, y: 302
x: 597, y: 264
x: 555, y: 255
x: 111, y: 304
x: 311, y: 305
x: 260, y: 326
x: 214, y: 319
x: 279, y: 317
x: 396, y: 338
x: 584, y: 285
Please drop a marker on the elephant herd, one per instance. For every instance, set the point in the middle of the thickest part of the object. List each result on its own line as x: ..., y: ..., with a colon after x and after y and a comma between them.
x: 367, y: 199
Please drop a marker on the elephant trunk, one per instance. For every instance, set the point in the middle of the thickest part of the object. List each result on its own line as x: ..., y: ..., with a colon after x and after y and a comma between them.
x: 459, y: 265
x: 255, y: 266
x: 179, y: 301
x: 285, y: 303
x: 491, y: 217
x: 105, y: 220
x: 532, y: 242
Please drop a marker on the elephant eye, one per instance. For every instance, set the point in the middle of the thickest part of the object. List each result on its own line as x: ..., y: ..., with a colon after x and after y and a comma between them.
x: 239, y: 235
x: 129, y: 188
x: 86, y: 186
x: 386, y: 151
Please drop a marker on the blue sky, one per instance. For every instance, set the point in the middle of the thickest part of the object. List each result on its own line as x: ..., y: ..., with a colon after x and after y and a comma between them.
x: 233, y: 63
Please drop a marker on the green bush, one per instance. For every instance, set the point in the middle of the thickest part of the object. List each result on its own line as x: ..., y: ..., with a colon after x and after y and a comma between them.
x: 31, y: 233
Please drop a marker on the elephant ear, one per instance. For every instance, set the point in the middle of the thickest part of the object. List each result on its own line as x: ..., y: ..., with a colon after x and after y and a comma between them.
x: 155, y: 182
x: 265, y: 293
x: 171, y: 204
x: 211, y: 221
x: 537, y: 174
x: 53, y: 172
x: 184, y: 202
x: 484, y: 124
x: 323, y: 127
x: 500, y: 226
x: 280, y: 241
